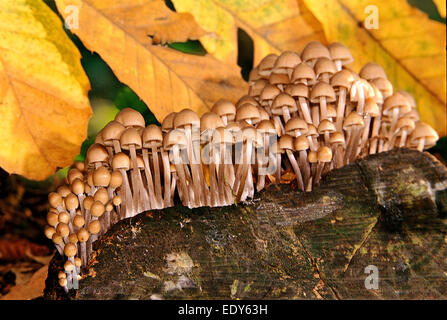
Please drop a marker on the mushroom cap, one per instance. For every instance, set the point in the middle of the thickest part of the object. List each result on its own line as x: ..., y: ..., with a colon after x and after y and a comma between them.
x: 70, y: 250
x: 98, y: 138
x: 372, y: 108
x: 331, y: 111
x: 263, y: 114
x: 62, y: 275
x: 248, y: 112
x: 326, y: 126
x: 343, y: 78
x: 283, y: 100
x: 210, y: 121
x: 324, y: 154
x: 116, y: 179
x: 174, y: 137
x: 361, y: 85
x: 353, y: 119
x: 236, y: 130
x: 100, y: 195
x: 130, y: 137
x: 405, y: 123
x: 303, y: 71
x: 250, y: 134
x: 269, y: 93
x: 413, y: 114
x: 52, y: 218
x: 337, y: 138
x: 90, y: 179
x: 371, y: 71
x: 74, y: 174
x: 101, y: 177
x: 257, y: 86
x: 121, y: 161
x: 49, y: 232
x: 300, y: 143
x: 129, y: 117
x: 224, y: 107
x: 267, y: 127
x: 78, y: 262
x: 73, y: 238
x: 297, y: 90
x: 424, y: 131
x: 296, y: 125
x: 63, y: 229
x: 96, y: 153
x: 312, y: 157
x: 54, y: 199
x: 152, y: 133
x: 384, y: 85
x: 83, y: 235
x: 88, y: 202
x: 325, y: 65
x: 314, y: 50
x: 64, y: 190
x: 311, y: 130
x: 168, y: 122
x: 285, y: 143
x: 116, y: 200
x: 77, y: 187
x: 57, y: 238
x: 63, y: 282
x: 287, y: 60
x: 97, y: 209
x: 186, y: 117
x: 279, y: 78
x: 63, y: 217
x: 254, y: 75
x: 378, y: 96
x: 246, y: 99
x: 409, y: 98
x: 396, y: 100
x: 78, y: 221
x: 71, y: 202
x: 140, y: 163
x: 112, y: 131
x: 322, y: 89
x: 340, y: 52
x: 94, y: 227
x: 266, y: 65
x: 79, y: 165
x: 222, y: 135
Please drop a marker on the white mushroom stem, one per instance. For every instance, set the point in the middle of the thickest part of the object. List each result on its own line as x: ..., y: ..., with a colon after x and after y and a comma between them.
x: 221, y: 178
x: 361, y: 100
x: 167, y: 179
x: 260, y: 183
x: 304, y: 166
x: 83, y: 249
x: 305, y: 109
x: 214, y: 193
x: 296, y: 168
x: 196, y: 182
x: 127, y: 199
x: 157, y: 180
x: 173, y: 184
x: 323, y: 108
x: 248, y: 148
x: 421, y: 144
x: 229, y: 173
x: 341, y: 103
x: 316, y: 116
x: 353, y: 145
x: 394, y: 118
x: 365, y: 134
x: 149, y: 181
x: 286, y: 113
x: 116, y: 146
x: 179, y: 167
x: 403, y: 138
x: 338, y: 64
x: 279, y: 123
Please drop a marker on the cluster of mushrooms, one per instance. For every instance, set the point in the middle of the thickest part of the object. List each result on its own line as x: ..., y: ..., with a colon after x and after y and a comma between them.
x: 307, y: 113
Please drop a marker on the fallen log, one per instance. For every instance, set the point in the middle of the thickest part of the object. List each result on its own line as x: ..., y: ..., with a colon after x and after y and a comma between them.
x: 375, y: 229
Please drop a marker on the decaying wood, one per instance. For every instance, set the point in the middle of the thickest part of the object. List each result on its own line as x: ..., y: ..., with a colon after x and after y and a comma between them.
x: 388, y: 210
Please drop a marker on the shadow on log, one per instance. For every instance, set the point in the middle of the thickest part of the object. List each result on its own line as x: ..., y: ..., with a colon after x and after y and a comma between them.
x: 388, y: 211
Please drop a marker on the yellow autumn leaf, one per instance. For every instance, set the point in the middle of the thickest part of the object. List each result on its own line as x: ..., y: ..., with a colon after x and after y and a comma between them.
x: 409, y: 46
x: 165, y: 79
x: 44, y: 108
x: 441, y: 5
x: 273, y: 25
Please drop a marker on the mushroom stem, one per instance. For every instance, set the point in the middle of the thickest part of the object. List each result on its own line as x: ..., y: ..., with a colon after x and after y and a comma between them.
x: 167, y: 179
x: 278, y: 168
x: 83, y: 253
x: 157, y: 180
x: 182, y: 176
x: 286, y: 113
x: 341, y: 103
x: 304, y: 166
x: 374, y: 135
x: 421, y: 144
x: 248, y: 148
x: 365, y: 134
x: 127, y: 199
x: 196, y: 182
x: 299, y: 177
x: 149, y: 181
x: 403, y: 138
x: 323, y: 108
x: 305, y: 109
x: 214, y: 196
x: 315, y: 116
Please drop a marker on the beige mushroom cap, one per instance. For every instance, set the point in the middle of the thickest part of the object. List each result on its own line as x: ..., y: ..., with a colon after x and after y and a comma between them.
x: 314, y: 50
x: 266, y: 65
x: 226, y: 108
x: 120, y: 161
x: 312, y: 157
x: 340, y: 52
x: 337, y: 138
x: 267, y: 127
x: 322, y: 89
x: 343, y: 78
x: 96, y: 153
x: 168, y: 122
x: 296, y: 125
x: 325, y: 65
x: 129, y: 117
x: 101, y: 177
x: 70, y: 250
x: 371, y: 71
x: 303, y: 72
x: 287, y: 60
x: 397, y: 100
x: 384, y: 85
x: 353, y: 119
x: 248, y: 112
x: 186, y: 117
x: 372, y: 108
x: 94, y: 227
x: 285, y: 143
x: 257, y: 86
x: 269, y: 93
x: 326, y: 126
x: 283, y: 99
x: 324, y: 154
x: 112, y: 131
x: 130, y: 137
x: 424, y: 131
x: 297, y: 90
x: 83, y: 235
x: 301, y: 143
x: 174, y: 137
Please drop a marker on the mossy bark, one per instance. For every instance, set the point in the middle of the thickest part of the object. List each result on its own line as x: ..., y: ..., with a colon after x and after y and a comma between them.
x: 388, y: 210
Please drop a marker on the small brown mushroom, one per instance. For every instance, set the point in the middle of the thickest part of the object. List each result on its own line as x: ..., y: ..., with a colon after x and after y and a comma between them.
x: 313, y: 51
x: 340, y: 54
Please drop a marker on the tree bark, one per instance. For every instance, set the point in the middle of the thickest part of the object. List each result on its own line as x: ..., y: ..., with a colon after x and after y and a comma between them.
x: 388, y: 210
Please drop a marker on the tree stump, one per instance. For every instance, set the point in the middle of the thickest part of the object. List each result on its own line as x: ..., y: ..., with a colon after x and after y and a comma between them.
x: 388, y: 211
